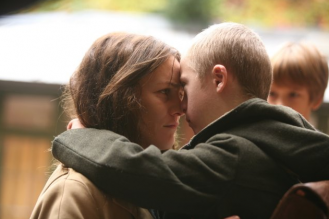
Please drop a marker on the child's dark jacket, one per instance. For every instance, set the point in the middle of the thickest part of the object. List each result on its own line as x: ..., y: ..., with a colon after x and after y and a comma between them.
x: 241, y: 164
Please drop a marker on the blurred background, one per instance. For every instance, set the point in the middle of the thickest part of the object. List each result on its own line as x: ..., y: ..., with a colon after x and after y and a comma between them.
x: 42, y: 43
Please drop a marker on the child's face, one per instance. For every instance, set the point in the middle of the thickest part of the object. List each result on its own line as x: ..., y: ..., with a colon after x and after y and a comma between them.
x: 197, y: 99
x: 293, y: 96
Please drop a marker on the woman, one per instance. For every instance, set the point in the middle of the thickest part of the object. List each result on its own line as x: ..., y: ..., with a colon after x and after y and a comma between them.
x: 126, y: 83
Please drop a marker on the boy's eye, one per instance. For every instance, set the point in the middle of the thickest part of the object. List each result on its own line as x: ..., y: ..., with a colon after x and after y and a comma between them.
x: 272, y: 94
x: 293, y: 94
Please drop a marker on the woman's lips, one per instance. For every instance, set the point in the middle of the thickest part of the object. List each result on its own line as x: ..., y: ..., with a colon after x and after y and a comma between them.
x: 173, y: 125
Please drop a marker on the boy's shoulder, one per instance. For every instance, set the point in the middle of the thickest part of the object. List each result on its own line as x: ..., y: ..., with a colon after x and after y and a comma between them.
x: 254, y: 114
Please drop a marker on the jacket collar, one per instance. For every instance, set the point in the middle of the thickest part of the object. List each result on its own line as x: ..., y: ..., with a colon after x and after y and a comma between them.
x: 252, y: 110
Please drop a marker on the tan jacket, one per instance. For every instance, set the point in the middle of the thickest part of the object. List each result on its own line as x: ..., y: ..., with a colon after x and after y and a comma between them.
x: 69, y: 195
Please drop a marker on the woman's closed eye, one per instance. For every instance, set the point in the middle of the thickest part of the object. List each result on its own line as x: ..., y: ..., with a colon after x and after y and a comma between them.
x: 172, y: 92
x: 165, y: 91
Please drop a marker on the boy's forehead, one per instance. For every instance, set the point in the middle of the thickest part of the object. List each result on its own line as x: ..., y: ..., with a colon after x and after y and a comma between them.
x: 185, y: 65
x: 288, y: 84
x: 289, y: 87
x: 185, y: 71
x: 184, y: 60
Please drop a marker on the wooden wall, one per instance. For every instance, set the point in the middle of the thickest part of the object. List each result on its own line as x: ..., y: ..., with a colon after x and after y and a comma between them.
x: 30, y: 116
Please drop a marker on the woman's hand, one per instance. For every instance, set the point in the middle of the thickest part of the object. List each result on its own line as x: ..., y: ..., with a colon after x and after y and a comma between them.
x: 74, y: 124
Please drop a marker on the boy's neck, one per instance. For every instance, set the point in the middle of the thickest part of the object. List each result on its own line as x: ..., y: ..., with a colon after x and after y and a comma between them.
x: 232, y: 97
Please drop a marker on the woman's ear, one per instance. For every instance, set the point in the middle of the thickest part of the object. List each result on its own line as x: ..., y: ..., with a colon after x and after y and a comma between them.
x: 219, y: 74
x: 74, y: 124
x: 69, y: 126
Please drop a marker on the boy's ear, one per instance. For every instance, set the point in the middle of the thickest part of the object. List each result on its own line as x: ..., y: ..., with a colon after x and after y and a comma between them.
x: 219, y: 74
x: 317, y: 103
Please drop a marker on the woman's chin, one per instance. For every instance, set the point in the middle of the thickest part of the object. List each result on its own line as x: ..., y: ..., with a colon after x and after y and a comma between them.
x: 165, y: 146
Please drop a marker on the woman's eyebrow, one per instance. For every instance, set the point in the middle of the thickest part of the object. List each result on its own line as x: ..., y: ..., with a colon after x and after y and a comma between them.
x: 170, y: 83
x: 176, y: 85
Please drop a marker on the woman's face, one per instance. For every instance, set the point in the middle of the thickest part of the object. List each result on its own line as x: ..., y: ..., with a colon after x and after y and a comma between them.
x: 161, y: 95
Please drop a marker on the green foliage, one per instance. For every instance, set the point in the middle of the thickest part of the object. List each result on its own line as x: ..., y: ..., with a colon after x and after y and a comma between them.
x: 278, y: 13
x: 270, y: 13
x: 192, y: 11
x: 114, y: 5
x: 130, y: 5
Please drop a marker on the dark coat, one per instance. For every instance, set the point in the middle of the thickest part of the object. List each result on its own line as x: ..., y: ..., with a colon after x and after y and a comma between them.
x: 241, y: 164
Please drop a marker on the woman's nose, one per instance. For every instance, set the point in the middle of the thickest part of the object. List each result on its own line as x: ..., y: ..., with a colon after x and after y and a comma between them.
x: 184, y: 104
x: 177, y: 107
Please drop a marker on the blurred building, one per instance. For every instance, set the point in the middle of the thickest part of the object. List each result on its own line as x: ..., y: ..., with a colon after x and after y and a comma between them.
x: 38, y: 53
x: 30, y: 117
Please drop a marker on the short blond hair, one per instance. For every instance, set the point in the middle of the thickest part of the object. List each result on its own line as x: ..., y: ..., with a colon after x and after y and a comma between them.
x: 240, y: 50
x: 301, y: 63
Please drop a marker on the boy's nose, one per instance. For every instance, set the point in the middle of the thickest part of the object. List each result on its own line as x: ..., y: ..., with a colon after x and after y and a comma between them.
x: 280, y: 101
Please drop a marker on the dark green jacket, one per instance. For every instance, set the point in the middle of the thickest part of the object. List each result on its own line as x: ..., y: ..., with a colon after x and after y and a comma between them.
x: 241, y: 164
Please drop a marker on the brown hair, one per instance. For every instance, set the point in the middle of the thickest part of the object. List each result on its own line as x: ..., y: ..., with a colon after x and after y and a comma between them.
x: 301, y: 63
x: 240, y: 50
x: 104, y: 91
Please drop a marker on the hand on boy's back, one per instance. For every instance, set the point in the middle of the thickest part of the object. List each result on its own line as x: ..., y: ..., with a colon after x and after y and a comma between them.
x: 74, y: 124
